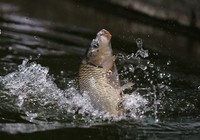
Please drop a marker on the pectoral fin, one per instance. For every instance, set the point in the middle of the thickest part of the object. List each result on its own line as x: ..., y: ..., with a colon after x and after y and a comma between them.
x: 126, y: 86
x: 110, y: 67
x: 109, y: 64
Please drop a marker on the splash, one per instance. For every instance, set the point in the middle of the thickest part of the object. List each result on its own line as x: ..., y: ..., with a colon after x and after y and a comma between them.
x: 32, y: 92
x: 134, y: 105
x: 151, y: 83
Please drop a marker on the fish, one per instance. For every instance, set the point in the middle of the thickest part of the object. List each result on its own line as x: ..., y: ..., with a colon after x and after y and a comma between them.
x: 98, y: 75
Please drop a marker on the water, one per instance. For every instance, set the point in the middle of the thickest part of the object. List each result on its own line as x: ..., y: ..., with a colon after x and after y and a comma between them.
x: 39, y: 60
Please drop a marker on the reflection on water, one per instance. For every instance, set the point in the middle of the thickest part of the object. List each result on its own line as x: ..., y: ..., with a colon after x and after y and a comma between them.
x: 40, y: 95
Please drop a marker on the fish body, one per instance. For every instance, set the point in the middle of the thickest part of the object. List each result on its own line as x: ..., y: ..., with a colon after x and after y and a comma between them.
x: 103, y: 95
x: 98, y: 75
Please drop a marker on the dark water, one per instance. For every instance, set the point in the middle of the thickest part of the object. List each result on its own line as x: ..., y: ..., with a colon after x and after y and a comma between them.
x: 41, y: 46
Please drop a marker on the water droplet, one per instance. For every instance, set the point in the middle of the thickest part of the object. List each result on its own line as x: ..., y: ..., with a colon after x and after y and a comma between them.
x: 61, y: 72
x: 142, y: 67
x: 151, y: 65
x: 38, y: 56
x: 0, y: 32
x: 143, y: 53
x: 35, y: 37
x: 161, y: 75
x: 130, y: 56
x: 168, y: 62
x: 156, y: 120
x: 199, y: 88
x: 131, y: 68
x: 125, y: 68
x: 168, y: 75
x: 4, y: 68
x: 10, y: 48
x: 30, y: 57
x: 139, y: 42
x: 24, y: 62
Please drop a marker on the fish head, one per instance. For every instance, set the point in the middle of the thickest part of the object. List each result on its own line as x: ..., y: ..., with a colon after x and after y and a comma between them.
x: 100, y: 49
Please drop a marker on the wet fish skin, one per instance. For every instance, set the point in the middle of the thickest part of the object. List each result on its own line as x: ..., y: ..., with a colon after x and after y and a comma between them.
x: 103, y: 95
x: 98, y: 75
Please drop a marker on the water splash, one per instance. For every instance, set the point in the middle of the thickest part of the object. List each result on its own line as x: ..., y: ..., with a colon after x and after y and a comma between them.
x: 31, y: 91
x: 141, y: 52
x: 134, y: 105
x: 198, y: 88
x: 151, y: 82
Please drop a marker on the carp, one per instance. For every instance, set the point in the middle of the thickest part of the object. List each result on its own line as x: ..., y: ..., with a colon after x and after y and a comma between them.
x: 98, y: 75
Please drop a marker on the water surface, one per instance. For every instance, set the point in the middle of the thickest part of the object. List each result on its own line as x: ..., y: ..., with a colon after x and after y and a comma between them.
x: 40, y: 52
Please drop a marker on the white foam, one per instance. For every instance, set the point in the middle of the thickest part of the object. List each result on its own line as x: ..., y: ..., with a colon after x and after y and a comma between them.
x: 134, y: 105
x: 31, y: 90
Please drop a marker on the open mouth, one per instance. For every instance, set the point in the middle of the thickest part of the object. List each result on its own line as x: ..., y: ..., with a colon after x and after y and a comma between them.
x: 104, y: 33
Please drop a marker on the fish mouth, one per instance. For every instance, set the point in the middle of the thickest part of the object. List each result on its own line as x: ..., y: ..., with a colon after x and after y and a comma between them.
x: 104, y: 33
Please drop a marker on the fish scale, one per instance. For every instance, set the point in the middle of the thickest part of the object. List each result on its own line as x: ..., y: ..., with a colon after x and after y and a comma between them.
x: 103, y: 95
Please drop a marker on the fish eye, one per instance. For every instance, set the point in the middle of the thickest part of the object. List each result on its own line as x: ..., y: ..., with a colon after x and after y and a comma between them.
x: 96, y: 45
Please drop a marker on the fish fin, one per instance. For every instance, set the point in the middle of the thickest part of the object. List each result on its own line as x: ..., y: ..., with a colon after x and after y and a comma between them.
x: 111, y: 69
x: 84, y: 61
x: 109, y: 64
x: 115, y: 77
x: 126, y: 86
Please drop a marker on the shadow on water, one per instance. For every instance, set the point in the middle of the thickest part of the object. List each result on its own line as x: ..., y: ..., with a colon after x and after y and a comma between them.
x: 54, y: 36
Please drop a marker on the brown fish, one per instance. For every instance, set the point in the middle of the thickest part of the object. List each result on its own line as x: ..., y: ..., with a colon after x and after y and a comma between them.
x: 98, y: 75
